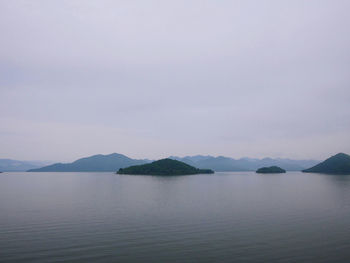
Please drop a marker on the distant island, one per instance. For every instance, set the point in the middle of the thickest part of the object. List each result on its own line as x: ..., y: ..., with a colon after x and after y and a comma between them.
x: 337, y: 164
x: 164, y: 167
x: 271, y: 170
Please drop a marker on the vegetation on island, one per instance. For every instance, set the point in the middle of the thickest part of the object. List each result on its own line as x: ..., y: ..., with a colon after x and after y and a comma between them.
x: 337, y: 164
x: 271, y: 170
x: 164, y: 167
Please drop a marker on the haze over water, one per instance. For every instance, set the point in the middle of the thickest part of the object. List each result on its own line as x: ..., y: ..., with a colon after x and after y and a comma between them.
x: 233, y: 78
x: 225, y: 217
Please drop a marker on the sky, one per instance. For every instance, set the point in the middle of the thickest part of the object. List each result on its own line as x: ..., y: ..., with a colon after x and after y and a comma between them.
x: 150, y: 79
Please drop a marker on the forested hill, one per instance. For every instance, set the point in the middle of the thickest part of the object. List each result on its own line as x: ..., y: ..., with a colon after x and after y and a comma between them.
x: 164, y: 167
x: 337, y: 164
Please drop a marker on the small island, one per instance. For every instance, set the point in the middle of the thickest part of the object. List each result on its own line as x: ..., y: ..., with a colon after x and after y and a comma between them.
x: 337, y: 164
x: 164, y: 167
x: 271, y: 170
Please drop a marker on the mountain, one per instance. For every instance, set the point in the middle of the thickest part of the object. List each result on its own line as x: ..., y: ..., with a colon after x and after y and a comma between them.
x: 224, y: 164
x: 271, y: 170
x: 164, y: 167
x: 96, y: 163
x: 8, y: 165
x: 219, y: 164
x: 115, y: 161
x: 337, y: 164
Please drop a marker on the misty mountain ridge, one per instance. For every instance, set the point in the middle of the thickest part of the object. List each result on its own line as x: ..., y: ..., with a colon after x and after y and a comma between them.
x: 225, y: 164
x: 96, y: 163
x: 113, y: 162
x: 9, y: 165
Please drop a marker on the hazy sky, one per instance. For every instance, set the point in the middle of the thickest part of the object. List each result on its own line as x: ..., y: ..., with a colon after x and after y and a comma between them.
x: 151, y: 79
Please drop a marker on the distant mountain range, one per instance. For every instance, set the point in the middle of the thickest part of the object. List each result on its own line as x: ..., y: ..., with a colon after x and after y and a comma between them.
x: 225, y: 164
x: 113, y: 162
x: 96, y: 163
x: 8, y: 165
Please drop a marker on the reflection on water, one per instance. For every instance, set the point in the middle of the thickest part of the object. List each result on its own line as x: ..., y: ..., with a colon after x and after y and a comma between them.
x: 343, y: 180
x: 225, y: 217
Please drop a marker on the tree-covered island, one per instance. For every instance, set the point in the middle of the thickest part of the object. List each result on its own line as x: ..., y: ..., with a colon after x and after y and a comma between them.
x: 164, y: 167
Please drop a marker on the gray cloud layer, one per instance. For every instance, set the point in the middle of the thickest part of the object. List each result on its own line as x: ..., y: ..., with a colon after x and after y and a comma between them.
x: 154, y: 78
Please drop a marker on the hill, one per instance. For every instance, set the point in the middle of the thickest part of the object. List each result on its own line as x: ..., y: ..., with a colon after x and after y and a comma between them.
x: 96, y: 163
x: 164, y: 167
x: 226, y: 164
x: 270, y: 170
x: 337, y: 164
x: 9, y: 165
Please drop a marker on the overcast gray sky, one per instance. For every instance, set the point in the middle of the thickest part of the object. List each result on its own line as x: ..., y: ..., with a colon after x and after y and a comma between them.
x: 151, y: 79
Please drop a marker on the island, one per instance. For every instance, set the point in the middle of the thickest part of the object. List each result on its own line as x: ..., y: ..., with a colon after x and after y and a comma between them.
x: 271, y: 170
x: 337, y: 164
x: 164, y: 167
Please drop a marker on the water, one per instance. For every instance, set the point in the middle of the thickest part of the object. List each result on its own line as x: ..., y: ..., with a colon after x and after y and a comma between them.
x: 225, y: 217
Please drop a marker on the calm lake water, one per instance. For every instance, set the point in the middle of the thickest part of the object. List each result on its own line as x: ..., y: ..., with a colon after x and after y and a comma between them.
x: 225, y: 217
